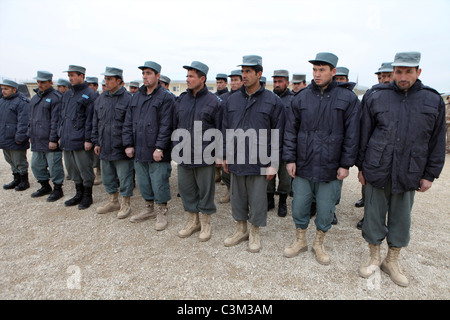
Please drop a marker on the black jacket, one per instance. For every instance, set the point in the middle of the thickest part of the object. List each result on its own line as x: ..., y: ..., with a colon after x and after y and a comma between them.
x: 191, y: 111
x: 45, y: 108
x: 322, y: 131
x: 14, y: 116
x: 77, y: 110
x: 149, y: 124
x: 402, y: 136
x: 263, y: 110
x: 109, y: 117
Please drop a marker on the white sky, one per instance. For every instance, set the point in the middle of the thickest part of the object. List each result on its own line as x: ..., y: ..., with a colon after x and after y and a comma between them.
x: 50, y: 35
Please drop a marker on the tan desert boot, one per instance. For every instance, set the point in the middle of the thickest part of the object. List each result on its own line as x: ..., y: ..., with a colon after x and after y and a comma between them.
x: 373, y: 262
x: 299, y: 244
x: 125, y: 208
x: 161, y: 217
x: 240, y: 234
x: 205, y: 231
x: 391, y: 267
x: 112, y: 205
x: 192, y: 226
x: 322, y: 256
x: 254, y: 241
x: 147, y: 213
x: 226, y: 197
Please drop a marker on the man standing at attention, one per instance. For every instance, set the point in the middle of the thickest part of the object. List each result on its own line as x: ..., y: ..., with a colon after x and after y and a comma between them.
x: 253, y: 124
x: 402, y: 150
x: 196, y: 111
x: 14, y: 139
x: 46, y: 159
x: 117, y: 169
x: 146, y: 136
x: 75, y: 131
x: 320, y: 145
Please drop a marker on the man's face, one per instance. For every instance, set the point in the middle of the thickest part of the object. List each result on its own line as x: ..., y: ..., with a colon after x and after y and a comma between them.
x: 194, y: 82
x: 235, y: 82
x: 341, y: 79
x: 62, y: 89
x: 150, y: 78
x: 165, y: 85
x: 249, y: 77
x: 323, y: 75
x: 8, y: 91
x: 386, y: 77
x: 298, y: 85
x: 44, y: 85
x: 112, y: 83
x: 93, y: 86
x: 133, y: 90
x: 221, y: 84
x: 280, y: 84
x: 75, y: 79
x: 405, y: 77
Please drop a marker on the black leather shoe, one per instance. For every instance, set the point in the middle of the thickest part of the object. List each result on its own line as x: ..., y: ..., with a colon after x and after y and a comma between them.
x: 56, y: 194
x: 270, y: 201
x: 24, y: 183
x: 13, y: 183
x: 78, y: 196
x: 45, y: 189
x: 86, y: 201
x: 334, y: 219
x: 359, y: 225
x: 282, y: 207
x: 359, y: 203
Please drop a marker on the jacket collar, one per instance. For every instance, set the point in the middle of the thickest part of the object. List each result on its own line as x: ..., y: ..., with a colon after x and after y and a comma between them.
x: 143, y: 90
x: 415, y: 87
x: 254, y: 94
x: 41, y: 94
x: 200, y: 93
x: 331, y: 85
x: 118, y: 92
x: 79, y: 87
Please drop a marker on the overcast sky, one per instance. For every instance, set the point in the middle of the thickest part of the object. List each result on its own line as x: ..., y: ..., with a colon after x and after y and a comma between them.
x: 50, y: 35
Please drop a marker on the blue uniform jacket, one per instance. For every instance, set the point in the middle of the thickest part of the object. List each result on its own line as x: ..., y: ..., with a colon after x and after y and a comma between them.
x: 14, y: 115
x: 77, y: 110
x: 45, y: 109
x: 402, y: 136
x: 204, y: 108
x: 249, y: 114
x: 148, y: 123
x: 107, y: 125
x: 322, y: 131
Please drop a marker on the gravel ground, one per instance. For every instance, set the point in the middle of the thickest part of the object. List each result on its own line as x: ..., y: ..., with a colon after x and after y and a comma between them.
x: 48, y: 251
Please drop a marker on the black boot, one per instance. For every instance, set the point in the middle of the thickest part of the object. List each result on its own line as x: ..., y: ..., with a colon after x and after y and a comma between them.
x: 360, y: 223
x: 24, y: 183
x: 359, y: 203
x: 86, y: 201
x: 334, y: 219
x: 13, y: 183
x: 78, y: 196
x: 56, y: 194
x: 45, y: 189
x: 282, y: 207
x: 270, y: 201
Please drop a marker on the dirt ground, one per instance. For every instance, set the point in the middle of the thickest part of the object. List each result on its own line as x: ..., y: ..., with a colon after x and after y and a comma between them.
x: 48, y: 251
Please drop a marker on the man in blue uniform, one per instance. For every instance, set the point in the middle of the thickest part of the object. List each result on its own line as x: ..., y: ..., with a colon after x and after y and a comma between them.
x: 75, y: 131
x: 46, y: 160
x: 402, y: 150
x: 14, y: 139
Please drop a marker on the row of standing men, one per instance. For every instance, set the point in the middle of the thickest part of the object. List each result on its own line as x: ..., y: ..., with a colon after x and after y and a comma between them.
x: 323, y: 131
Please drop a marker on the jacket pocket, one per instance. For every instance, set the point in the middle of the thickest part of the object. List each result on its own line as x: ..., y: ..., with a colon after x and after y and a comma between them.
x: 374, y: 154
x: 417, y: 161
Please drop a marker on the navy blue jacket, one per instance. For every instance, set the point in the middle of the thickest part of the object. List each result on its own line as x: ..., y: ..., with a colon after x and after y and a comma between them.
x: 77, y: 110
x: 107, y: 125
x: 247, y: 114
x: 148, y: 123
x: 322, y: 131
x: 14, y: 115
x: 205, y: 108
x: 45, y: 108
x: 402, y: 136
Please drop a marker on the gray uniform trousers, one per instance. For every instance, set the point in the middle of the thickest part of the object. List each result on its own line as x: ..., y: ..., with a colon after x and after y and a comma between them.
x: 48, y: 165
x: 197, y: 188
x: 248, y: 199
x: 118, y: 175
x: 79, y: 166
x: 17, y: 159
x: 380, y: 203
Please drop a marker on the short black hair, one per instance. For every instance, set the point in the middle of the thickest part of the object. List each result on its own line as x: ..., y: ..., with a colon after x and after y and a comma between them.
x: 200, y: 73
x: 257, y: 68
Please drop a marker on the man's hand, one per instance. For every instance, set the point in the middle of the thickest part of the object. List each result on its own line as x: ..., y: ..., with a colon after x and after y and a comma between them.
x: 158, y: 155
x: 424, y: 185
x: 129, y: 152
x: 97, y: 150
x: 361, y: 178
x: 87, y: 146
x: 291, y: 168
x: 225, y: 166
x: 342, y: 173
x: 52, y: 145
